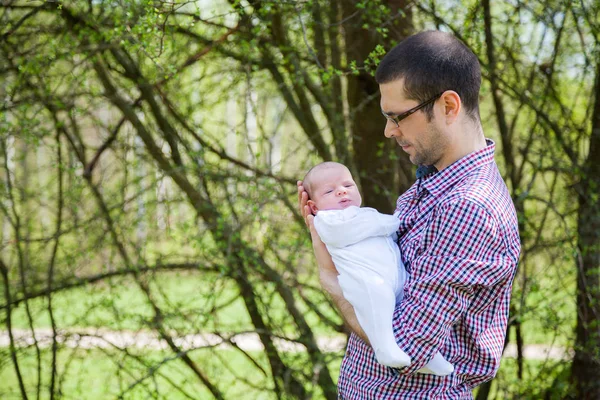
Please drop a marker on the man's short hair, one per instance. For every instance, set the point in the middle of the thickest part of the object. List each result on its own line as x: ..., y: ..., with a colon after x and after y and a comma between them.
x: 432, y: 62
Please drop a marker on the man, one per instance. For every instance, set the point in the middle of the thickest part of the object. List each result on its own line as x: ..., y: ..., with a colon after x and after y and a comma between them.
x: 458, y: 233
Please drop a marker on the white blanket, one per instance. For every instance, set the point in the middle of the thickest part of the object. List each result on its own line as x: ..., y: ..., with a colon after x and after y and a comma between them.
x: 372, y: 276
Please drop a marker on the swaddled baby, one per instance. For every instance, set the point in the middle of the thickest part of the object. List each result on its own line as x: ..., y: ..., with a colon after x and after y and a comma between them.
x: 362, y: 244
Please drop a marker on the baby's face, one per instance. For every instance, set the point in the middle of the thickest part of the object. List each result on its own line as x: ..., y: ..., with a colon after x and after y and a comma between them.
x: 333, y: 189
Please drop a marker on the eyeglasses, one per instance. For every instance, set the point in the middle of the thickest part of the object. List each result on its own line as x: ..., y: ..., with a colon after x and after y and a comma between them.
x: 396, y: 120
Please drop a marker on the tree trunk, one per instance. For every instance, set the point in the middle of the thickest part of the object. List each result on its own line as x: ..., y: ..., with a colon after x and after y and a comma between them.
x: 585, y: 372
x: 383, y: 170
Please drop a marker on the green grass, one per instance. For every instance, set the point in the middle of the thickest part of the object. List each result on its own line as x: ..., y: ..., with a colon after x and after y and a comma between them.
x: 540, y: 379
x: 119, y: 303
x: 107, y: 374
x: 203, y: 303
x: 549, y: 313
x: 191, y: 303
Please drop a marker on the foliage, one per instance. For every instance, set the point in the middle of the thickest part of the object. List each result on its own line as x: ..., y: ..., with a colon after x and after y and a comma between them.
x: 149, y: 156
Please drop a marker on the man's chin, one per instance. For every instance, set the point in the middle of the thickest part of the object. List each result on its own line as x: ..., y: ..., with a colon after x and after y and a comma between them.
x: 415, y: 159
x: 412, y: 156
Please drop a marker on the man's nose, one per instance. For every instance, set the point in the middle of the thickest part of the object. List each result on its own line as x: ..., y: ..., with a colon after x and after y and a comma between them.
x: 390, y: 130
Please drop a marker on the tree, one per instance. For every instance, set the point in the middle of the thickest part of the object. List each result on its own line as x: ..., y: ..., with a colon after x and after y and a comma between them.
x: 161, y: 138
x: 106, y: 90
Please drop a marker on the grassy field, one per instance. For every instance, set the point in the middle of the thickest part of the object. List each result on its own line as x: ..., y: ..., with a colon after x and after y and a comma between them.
x: 107, y: 374
x: 541, y: 380
x: 191, y: 305
x: 196, y: 304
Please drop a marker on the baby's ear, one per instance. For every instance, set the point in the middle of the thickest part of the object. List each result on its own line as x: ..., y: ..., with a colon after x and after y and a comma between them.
x: 313, y: 207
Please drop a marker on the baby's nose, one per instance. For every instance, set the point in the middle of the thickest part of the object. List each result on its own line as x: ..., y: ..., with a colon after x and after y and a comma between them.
x: 342, y: 191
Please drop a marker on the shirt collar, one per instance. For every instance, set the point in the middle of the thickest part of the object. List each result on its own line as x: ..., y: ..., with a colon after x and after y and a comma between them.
x: 446, y: 178
x: 425, y: 170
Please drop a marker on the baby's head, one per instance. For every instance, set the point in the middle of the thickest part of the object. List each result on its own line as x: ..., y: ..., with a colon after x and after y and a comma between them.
x: 330, y: 187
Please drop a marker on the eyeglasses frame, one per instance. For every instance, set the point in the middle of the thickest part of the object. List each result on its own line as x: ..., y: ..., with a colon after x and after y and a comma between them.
x: 396, y: 120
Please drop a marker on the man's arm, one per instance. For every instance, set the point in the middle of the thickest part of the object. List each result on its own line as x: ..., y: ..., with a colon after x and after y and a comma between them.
x: 462, y: 251
x: 327, y: 272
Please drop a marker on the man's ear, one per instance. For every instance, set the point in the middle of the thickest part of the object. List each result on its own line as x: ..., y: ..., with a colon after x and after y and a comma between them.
x: 313, y: 207
x: 452, y: 105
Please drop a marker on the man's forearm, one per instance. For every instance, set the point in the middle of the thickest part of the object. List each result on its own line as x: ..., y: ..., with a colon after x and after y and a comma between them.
x: 331, y: 285
x: 349, y: 316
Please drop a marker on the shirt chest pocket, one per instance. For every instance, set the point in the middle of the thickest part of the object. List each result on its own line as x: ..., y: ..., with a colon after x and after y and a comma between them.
x: 410, y: 249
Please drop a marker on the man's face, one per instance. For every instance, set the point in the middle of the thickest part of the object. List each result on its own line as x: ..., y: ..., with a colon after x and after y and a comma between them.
x: 333, y: 189
x: 422, y: 140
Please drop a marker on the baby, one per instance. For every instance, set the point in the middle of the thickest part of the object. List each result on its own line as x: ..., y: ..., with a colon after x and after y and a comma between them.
x: 361, y: 244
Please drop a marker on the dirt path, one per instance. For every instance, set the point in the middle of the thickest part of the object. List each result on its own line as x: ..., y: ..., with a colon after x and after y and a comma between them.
x: 89, y: 338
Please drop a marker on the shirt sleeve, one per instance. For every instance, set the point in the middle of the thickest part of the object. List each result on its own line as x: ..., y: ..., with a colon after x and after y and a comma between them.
x: 461, y: 249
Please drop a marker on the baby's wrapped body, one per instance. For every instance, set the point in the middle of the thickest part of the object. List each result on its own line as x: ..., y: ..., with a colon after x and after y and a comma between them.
x: 372, y: 276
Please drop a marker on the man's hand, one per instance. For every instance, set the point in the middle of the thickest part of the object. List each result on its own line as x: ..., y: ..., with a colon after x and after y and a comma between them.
x: 321, y: 252
x: 327, y: 272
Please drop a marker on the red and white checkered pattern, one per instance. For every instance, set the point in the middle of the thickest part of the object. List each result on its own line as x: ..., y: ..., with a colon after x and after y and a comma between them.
x: 460, y: 244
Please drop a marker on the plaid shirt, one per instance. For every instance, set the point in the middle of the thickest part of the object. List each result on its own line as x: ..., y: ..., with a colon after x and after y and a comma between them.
x: 460, y: 244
